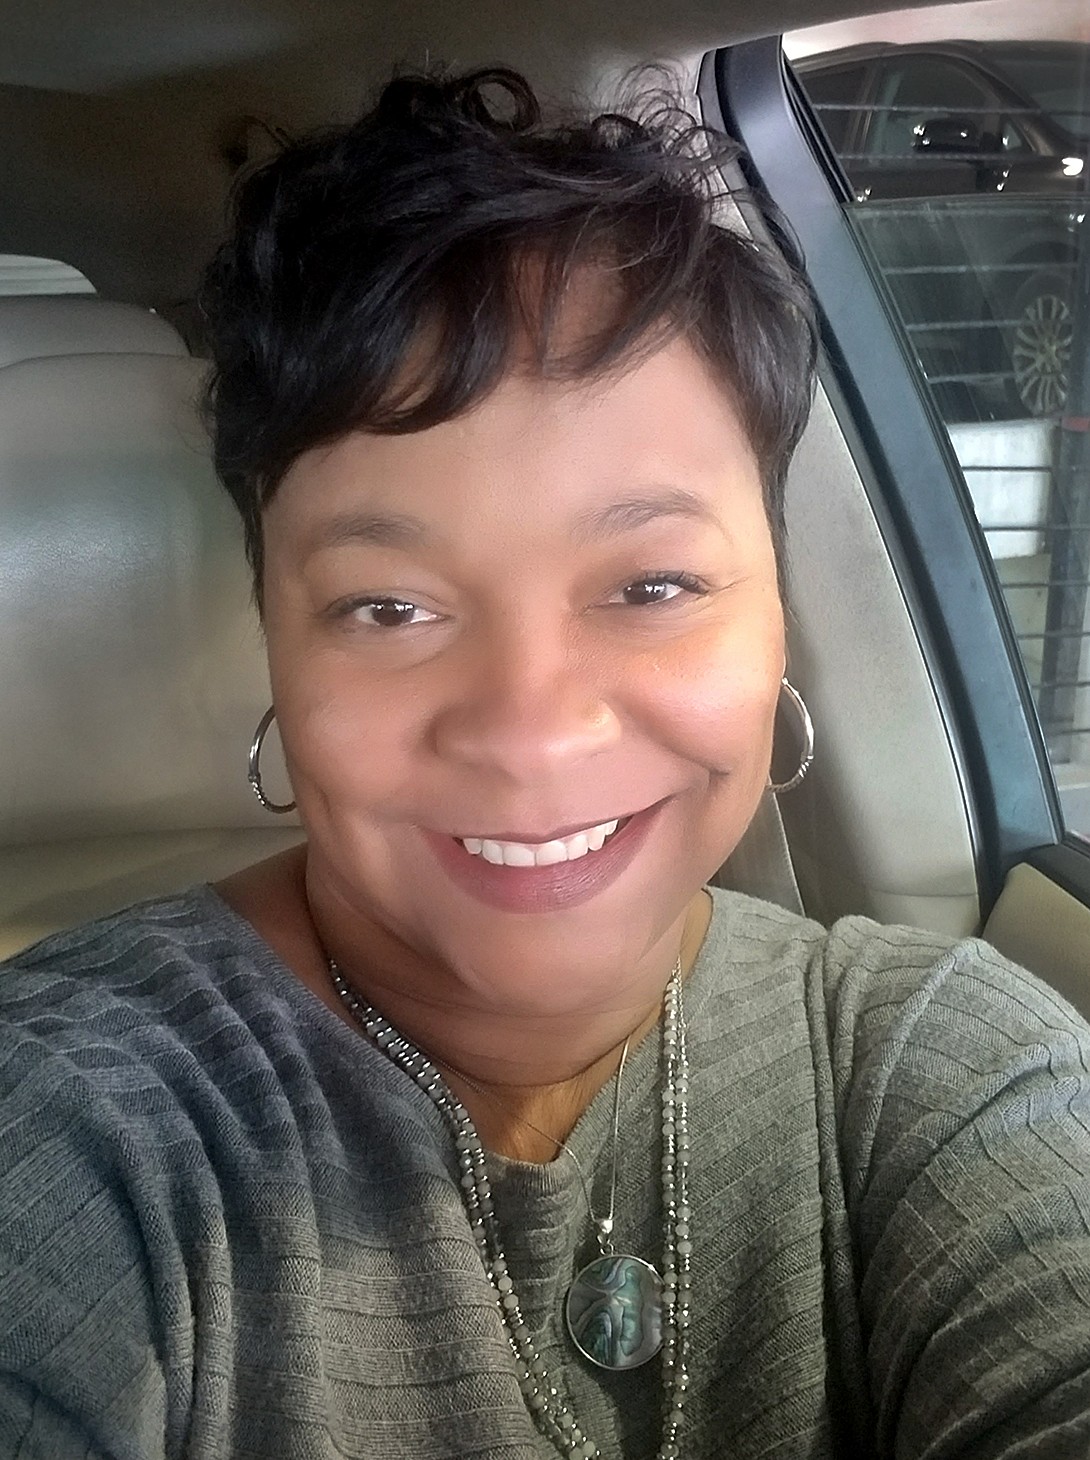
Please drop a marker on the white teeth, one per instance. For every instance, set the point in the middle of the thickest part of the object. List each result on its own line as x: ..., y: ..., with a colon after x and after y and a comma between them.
x: 541, y: 854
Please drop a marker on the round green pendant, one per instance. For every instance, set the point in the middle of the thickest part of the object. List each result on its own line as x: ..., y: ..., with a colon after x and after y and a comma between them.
x: 614, y: 1312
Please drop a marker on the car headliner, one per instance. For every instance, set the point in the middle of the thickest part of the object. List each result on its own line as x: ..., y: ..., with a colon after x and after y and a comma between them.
x: 70, y: 45
x: 121, y: 117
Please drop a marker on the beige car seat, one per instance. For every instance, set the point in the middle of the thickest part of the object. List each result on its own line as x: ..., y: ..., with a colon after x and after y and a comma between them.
x: 131, y: 666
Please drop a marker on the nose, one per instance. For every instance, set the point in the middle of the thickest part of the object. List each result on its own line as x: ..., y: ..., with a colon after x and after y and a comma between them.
x: 529, y: 705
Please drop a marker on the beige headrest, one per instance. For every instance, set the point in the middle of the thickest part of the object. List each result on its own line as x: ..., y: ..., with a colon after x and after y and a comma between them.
x: 131, y: 666
x: 34, y: 327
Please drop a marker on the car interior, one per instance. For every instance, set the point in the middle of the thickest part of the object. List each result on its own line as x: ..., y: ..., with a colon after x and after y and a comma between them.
x: 131, y: 664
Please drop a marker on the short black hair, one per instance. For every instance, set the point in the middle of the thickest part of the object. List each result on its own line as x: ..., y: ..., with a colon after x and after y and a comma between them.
x: 382, y: 275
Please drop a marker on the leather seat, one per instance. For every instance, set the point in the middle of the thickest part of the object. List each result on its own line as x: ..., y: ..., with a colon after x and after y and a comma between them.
x: 34, y: 327
x: 130, y: 655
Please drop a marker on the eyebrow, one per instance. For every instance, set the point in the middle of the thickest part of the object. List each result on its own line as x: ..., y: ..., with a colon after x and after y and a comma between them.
x: 636, y: 511
x: 377, y: 529
x: 401, y: 531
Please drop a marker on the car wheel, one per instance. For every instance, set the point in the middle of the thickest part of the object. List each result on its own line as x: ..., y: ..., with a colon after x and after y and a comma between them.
x: 1040, y: 344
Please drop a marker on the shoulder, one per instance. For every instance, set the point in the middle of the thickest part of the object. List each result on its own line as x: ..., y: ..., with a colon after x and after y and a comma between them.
x: 167, y: 1091
x: 749, y: 932
x: 114, y: 1039
x: 906, y: 1028
x: 935, y: 1007
x: 140, y: 982
x: 959, y: 1111
x: 870, y: 977
x: 140, y: 1052
x: 952, y: 1108
x: 117, y: 952
x: 97, y: 1028
x: 953, y: 1076
x: 162, y: 1046
x: 153, y: 1052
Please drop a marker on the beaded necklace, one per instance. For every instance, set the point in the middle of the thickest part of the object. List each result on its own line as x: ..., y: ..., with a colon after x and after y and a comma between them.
x: 611, y: 1287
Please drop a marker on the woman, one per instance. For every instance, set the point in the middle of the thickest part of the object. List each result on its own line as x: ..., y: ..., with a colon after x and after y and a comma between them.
x: 480, y: 1127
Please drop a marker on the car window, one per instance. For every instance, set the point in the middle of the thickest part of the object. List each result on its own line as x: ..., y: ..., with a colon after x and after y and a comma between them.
x: 1055, y: 79
x: 1011, y: 136
x: 917, y: 90
x: 836, y: 96
x: 980, y: 257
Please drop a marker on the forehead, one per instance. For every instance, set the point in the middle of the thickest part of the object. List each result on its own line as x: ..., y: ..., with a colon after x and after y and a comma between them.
x: 537, y: 445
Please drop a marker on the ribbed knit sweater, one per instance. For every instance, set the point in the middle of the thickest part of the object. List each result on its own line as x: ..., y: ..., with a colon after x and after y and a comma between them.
x: 230, y: 1228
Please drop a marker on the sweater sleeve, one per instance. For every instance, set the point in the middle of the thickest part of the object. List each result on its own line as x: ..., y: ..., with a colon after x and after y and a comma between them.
x: 80, y: 1371
x: 962, y: 1088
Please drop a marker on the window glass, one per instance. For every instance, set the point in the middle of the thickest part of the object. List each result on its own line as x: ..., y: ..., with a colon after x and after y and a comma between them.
x: 1054, y: 78
x: 836, y: 97
x: 914, y: 92
x: 1011, y: 136
x: 969, y: 171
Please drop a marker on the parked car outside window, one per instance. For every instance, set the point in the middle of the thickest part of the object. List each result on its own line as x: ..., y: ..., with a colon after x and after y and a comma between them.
x: 963, y: 168
x: 991, y: 135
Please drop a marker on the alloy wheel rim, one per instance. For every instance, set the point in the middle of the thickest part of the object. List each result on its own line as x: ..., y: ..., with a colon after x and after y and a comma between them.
x: 1040, y: 354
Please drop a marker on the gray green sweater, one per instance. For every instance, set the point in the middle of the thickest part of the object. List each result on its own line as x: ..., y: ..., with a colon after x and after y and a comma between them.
x: 229, y: 1228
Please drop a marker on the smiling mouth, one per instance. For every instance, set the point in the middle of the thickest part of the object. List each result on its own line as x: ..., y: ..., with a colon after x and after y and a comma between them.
x: 543, y: 854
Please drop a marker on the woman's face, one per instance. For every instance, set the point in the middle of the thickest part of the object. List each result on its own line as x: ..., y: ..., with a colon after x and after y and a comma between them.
x: 557, y: 613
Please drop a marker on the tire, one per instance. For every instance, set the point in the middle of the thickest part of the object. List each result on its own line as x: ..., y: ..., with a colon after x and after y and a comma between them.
x: 1039, y: 342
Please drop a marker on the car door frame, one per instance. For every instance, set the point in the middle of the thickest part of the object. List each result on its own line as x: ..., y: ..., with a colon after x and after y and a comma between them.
x: 912, y: 477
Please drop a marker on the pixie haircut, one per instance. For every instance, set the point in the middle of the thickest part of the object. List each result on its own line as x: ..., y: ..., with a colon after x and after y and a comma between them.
x: 384, y: 276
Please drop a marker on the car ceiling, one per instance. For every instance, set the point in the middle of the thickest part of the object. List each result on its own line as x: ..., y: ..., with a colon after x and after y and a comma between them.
x: 108, y: 45
x: 118, y: 115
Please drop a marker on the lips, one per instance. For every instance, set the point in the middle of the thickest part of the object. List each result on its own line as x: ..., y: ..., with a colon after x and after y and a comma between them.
x: 559, y: 884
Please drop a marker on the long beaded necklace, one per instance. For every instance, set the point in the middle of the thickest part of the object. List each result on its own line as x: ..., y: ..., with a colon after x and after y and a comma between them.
x: 614, y: 1304
x: 613, y: 1287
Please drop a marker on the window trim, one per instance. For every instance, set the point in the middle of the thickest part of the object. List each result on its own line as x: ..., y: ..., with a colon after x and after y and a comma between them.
x: 908, y: 468
x: 1065, y: 864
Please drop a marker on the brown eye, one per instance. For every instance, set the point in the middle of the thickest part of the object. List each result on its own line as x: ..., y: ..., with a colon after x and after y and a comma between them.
x: 650, y: 590
x: 390, y: 613
x: 661, y: 588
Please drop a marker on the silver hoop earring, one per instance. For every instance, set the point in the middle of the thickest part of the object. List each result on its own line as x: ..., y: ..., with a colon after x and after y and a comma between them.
x: 798, y: 704
x: 254, y: 773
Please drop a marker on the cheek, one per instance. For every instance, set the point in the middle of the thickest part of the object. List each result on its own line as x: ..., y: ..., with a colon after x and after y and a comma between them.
x: 715, y: 696
x: 345, y: 729
x: 345, y: 736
